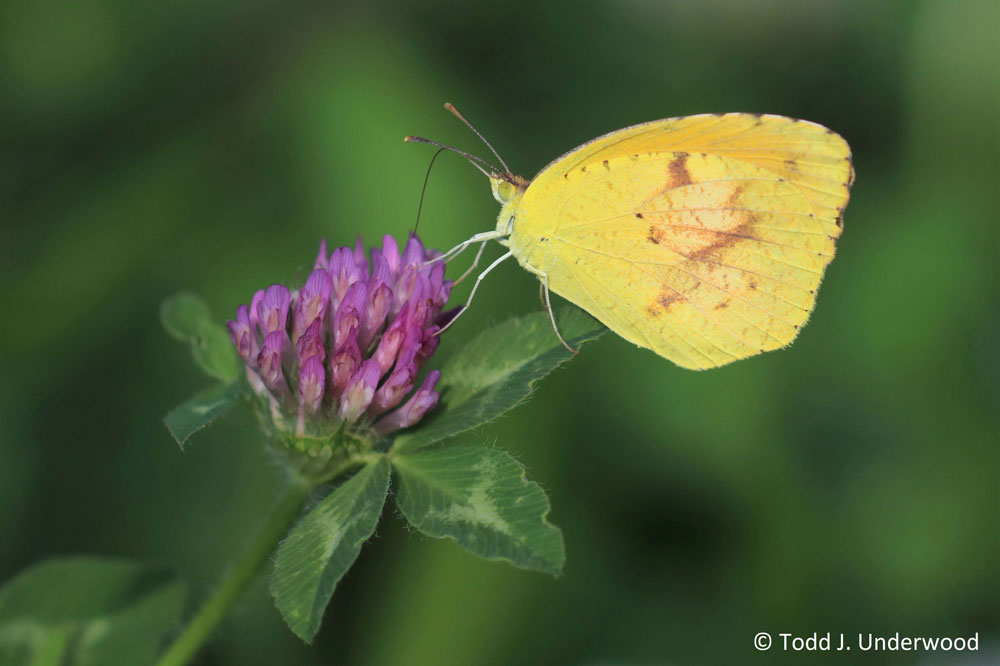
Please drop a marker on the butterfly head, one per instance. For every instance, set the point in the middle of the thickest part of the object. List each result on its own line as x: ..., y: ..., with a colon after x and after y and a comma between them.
x: 507, y: 190
x: 507, y: 187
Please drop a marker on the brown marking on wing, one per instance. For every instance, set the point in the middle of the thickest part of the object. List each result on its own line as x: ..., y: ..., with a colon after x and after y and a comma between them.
x: 733, y: 200
x: 742, y: 231
x: 664, y: 300
x: 656, y: 234
x: 679, y: 175
x: 722, y: 305
x: 668, y: 297
x: 606, y: 166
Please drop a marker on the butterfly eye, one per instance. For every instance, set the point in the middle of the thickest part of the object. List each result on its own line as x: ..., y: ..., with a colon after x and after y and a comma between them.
x: 502, y: 190
x: 505, y: 189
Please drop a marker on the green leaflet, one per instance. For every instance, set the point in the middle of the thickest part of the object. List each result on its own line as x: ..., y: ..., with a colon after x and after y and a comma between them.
x: 481, y: 498
x: 324, y: 544
x: 497, y: 370
x: 87, y: 611
x: 187, y: 318
x: 200, y: 410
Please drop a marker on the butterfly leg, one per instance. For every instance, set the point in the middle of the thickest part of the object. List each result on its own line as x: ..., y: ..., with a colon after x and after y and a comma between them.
x: 475, y: 262
x: 543, y: 279
x: 552, y: 317
x: 479, y: 279
x: 458, y: 249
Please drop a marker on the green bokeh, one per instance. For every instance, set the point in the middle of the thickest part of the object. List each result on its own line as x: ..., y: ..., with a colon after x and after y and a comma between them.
x: 848, y: 483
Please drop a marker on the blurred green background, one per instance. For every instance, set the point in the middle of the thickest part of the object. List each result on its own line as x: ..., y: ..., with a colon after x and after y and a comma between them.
x: 848, y: 483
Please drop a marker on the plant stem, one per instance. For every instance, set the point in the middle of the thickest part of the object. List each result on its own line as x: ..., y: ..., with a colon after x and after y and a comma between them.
x: 217, y: 606
x: 346, y: 466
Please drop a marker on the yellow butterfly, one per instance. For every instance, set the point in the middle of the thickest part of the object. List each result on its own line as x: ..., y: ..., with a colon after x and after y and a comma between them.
x: 702, y: 238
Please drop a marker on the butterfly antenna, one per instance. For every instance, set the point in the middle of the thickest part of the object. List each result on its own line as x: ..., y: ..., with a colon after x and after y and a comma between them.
x: 423, y: 190
x: 472, y: 159
x: 451, y: 107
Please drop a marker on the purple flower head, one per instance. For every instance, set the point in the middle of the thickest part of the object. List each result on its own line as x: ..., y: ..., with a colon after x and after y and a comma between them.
x: 348, y: 346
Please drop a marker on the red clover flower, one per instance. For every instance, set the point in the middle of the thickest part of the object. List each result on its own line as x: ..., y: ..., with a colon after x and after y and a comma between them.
x: 345, y: 350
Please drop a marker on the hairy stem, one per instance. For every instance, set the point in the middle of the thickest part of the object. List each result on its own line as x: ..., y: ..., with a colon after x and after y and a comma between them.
x: 343, y: 468
x: 221, y: 601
